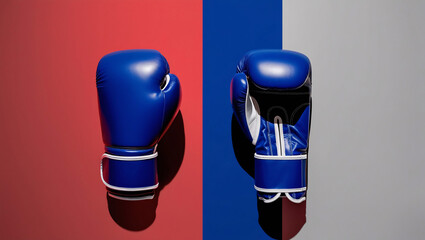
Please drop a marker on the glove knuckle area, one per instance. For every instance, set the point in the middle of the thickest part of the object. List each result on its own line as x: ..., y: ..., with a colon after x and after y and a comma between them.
x: 276, y: 69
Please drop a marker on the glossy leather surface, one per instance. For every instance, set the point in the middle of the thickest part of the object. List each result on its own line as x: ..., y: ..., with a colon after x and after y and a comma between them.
x: 275, y: 69
x: 138, y: 100
x: 278, y: 84
x: 134, y: 110
x: 280, y: 174
x: 130, y: 174
x: 238, y: 94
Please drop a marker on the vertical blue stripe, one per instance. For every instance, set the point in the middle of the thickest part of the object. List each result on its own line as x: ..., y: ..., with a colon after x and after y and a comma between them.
x: 230, y: 29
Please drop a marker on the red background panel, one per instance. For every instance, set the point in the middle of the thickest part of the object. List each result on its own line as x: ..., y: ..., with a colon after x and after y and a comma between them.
x: 51, y: 143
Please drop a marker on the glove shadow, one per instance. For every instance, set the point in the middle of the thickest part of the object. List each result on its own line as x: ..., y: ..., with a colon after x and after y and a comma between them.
x: 243, y: 148
x: 293, y: 218
x: 281, y: 219
x: 138, y: 215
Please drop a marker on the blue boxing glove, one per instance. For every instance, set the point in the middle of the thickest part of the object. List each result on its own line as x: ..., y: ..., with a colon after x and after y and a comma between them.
x: 271, y: 99
x: 138, y: 100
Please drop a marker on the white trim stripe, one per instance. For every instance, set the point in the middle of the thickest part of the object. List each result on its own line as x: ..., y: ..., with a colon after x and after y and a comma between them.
x: 285, y: 190
x: 270, y: 200
x: 278, y: 136
x: 268, y: 157
x: 294, y: 200
x: 252, y: 117
x: 281, y: 145
x: 131, y: 198
x: 130, y: 158
x: 167, y: 80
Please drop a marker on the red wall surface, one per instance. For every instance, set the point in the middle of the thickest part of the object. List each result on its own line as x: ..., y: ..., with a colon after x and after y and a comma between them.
x: 51, y: 142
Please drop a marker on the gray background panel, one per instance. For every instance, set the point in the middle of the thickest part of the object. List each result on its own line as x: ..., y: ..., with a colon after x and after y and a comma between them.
x: 366, y: 166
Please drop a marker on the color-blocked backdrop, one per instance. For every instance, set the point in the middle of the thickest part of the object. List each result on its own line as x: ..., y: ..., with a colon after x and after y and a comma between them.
x: 231, y: 28
x: 51, y: 140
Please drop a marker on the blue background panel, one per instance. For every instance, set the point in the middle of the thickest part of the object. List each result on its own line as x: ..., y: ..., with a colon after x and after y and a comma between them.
x: 230, y: 29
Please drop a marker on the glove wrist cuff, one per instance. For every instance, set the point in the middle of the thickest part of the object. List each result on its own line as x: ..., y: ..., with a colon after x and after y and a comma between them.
x: 129, y: 173
x: 280, y: 174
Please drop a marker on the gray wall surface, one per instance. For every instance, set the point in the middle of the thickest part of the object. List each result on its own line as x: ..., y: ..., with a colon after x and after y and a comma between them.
x: 366, y: 160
